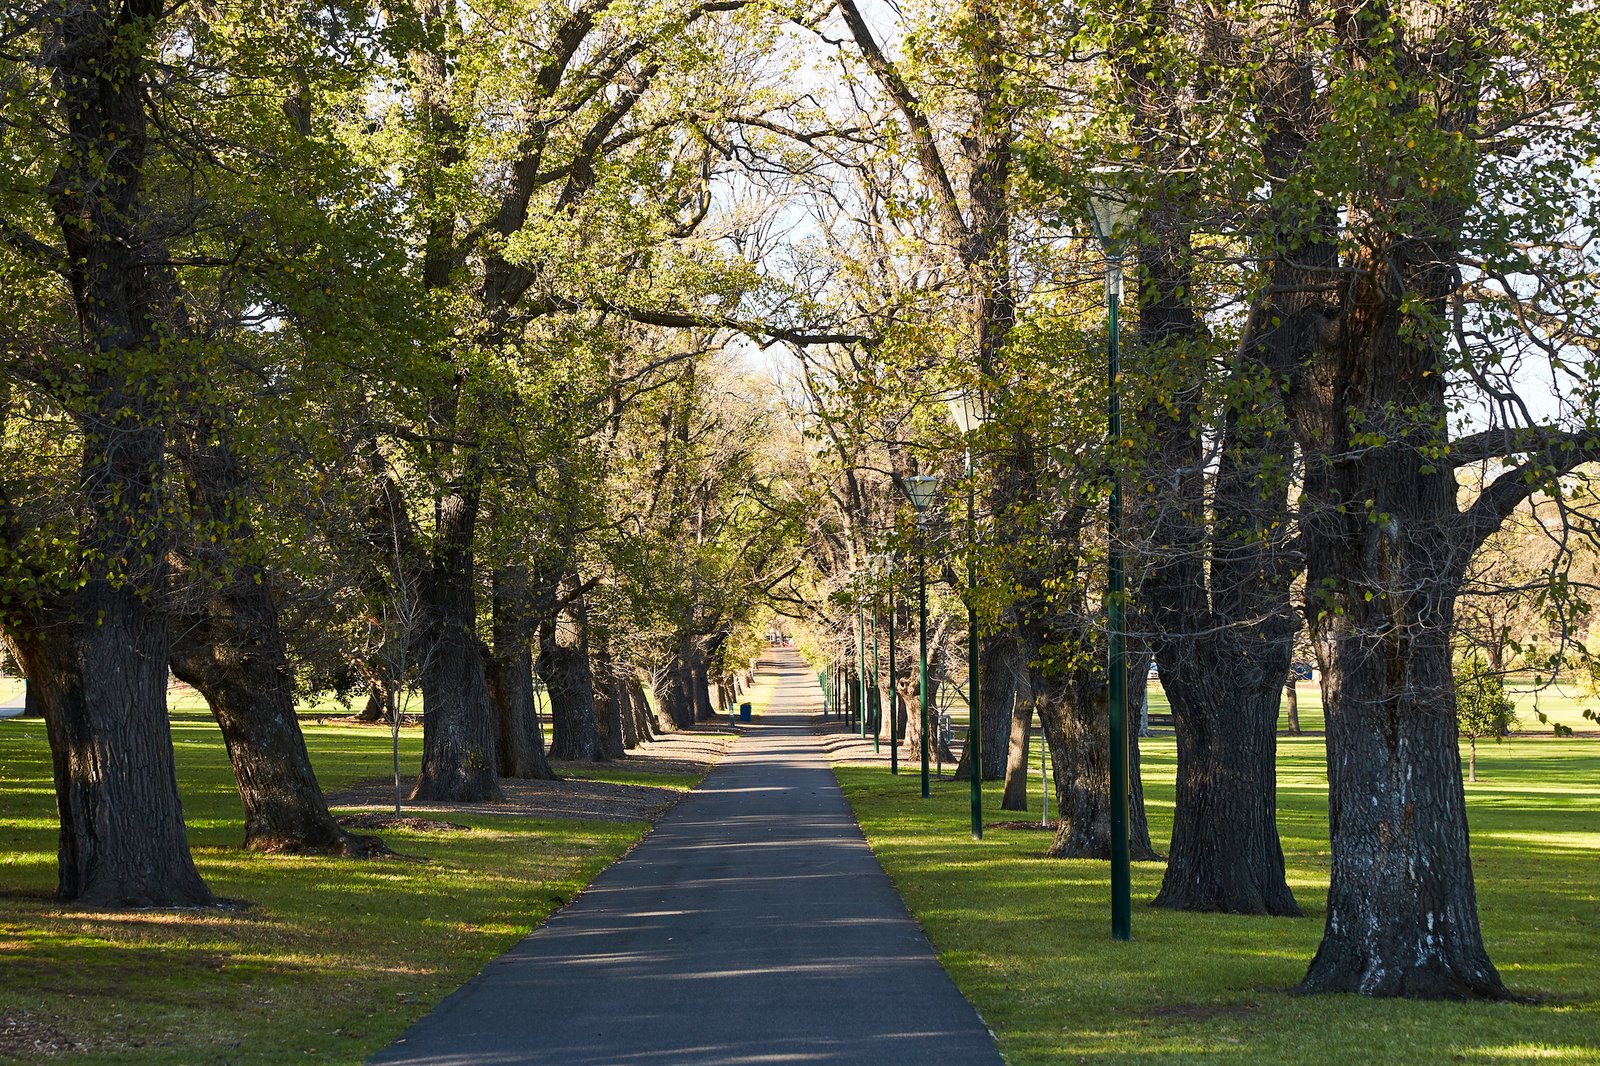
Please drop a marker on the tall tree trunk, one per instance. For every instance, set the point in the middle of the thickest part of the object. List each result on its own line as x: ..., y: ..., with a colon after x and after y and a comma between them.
x: 1402, y: 907
x: 610, y: 706
x: 377, y: 706
x: 1075, y: 717
x: 628, y: 717
x: 231, y: 650
x: 520, y: 749
x: 1004, y: 673
x: 103, y: 688
x: 1217, y: 591
x: 700, y: 686
x: 1226, y: 854
x: 1015, y: 797
x: 458, y: 722
x: 676, y: 690
x: 569, y: 678
x: 98, y: 653
x: 228, y: 644
x: 655, y: 719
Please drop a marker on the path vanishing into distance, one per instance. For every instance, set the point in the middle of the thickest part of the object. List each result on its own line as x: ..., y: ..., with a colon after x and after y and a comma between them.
x: 752, y: 925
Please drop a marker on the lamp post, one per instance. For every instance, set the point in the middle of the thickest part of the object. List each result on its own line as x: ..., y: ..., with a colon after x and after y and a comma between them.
x: 969, y: 411
x: 1111, y: 215
x: 922, y: 488
x: 880, y: 571
x: 894, y: 695
x: 861, y: 653
x: 872, y: 719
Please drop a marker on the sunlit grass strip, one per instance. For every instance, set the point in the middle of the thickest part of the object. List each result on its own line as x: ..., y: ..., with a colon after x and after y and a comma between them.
x: 1027, y: 939
x: 326, y: 960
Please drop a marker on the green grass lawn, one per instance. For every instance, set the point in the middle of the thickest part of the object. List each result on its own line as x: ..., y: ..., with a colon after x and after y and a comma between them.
x: 1027, y: 939
x: 328, y: 959
x: 1563, y: 702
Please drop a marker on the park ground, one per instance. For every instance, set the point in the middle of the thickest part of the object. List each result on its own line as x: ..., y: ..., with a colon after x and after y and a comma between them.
x: 1027, y: 939
x: 326, y: 960
x: 320, y: 959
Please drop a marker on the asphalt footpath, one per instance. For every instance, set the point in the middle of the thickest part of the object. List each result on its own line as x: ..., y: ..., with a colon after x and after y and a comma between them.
x: 752, y: 925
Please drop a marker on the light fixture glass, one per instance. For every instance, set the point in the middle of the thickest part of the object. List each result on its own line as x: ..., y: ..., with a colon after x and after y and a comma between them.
x: 1112, y: 212
x: 922, y: 488
x: 969, y: 409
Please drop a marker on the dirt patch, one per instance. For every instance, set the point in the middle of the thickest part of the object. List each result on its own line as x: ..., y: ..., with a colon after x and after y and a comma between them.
x: 1035, y: 825
x: 374, y: 820
x: 1199, y: 1012
x: 690, y: 751
x: 580, y: 800
x: 25, y: 1036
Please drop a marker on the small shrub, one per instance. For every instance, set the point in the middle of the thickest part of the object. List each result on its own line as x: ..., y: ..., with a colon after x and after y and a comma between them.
x: 1482, y: 708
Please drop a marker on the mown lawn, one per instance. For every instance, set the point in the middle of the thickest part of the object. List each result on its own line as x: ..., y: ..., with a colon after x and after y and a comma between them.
x: 326, y: 960
x: 1563, y: 702
x: 1028, y: 939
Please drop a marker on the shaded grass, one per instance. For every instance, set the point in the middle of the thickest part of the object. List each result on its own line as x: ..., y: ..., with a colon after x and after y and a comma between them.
x: 328, y: 960
x: 1027, y: 939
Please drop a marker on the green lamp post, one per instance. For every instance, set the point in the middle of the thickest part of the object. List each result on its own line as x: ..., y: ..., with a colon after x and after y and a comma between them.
x: 970, y: 412
x: 1112, y: 215
x: 861, y: 652
x: 879, y: 566
x: 922, y: 488
x: 894, y: 695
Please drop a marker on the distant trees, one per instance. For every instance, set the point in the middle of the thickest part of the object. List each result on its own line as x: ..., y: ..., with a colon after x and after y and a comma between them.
x: 1482, y: 709
x: 305, y: 315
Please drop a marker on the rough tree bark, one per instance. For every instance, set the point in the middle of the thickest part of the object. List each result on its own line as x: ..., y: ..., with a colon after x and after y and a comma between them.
x: 520, y: 749
x: 1076, y: 719
x: 458, y: 721
x: 1015, y: 796
x: 232, y: 652
x: 569, y: 679
x: 1216, y: 579
x: 676, y: 688
x: 627, y: 714
x: 610, y: 705
x: 1226, y: 855
x: 227, y: 642
x: 1004, y: 674
x: 377, y: 706
x: 654, y: 719
x: 97, y: 652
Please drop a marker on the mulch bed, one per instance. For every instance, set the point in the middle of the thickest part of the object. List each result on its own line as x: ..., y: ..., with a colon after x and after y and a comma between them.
x: 374, y: 820
x: 580, y: 800
x: 689, y: 751
x: 1034, y: 825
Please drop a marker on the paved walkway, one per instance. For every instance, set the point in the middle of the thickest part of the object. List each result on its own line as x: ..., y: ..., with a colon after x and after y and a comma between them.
x: 753, y: 925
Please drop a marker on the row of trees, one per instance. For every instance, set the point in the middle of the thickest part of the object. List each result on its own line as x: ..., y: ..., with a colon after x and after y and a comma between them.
x: 1362, y: 293
x: 353, y: 344
x: 368, y: 347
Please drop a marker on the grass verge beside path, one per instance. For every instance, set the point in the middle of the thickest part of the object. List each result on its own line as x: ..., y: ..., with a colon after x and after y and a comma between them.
x: 1027, y: 939
x: 328, y: 960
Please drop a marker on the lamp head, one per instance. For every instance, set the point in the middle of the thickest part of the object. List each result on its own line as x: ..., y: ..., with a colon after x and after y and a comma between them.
x: 969, y: 409
x: 922, y: 488
x: 1112, y: 212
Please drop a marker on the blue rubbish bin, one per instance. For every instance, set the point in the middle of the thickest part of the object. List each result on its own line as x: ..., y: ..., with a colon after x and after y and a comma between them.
x: 744, y: 712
